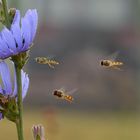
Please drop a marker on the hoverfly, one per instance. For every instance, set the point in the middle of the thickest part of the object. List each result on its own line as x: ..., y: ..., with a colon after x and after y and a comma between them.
x: 63, y: 94
x: 46, y: 60
x: 111, y: 62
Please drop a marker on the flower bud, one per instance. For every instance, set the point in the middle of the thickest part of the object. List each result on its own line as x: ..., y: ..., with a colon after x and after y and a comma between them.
x: 11, y: 13
x: 38, y: 132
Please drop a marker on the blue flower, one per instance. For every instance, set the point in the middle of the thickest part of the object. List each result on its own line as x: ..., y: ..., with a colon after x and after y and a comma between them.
x: 7, y: 88
x: 20, y: 36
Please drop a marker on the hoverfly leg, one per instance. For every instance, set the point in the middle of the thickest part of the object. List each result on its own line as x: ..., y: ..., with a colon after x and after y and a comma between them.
x: 117, y: 68
x: 51, y: 66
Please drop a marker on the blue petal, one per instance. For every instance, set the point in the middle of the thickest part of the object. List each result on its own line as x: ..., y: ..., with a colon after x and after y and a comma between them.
x: 1, y: 116
x: 26, y: 32
x: 9, y: 40
x: 25, y: 84
x: 6, y: 78
x: 16, y: 31
x: 15, y: 83
x: 32, y: 17
x: 2, y: 54
x: 3, y: 46
x: 1, y: 90
x: 16, y: 19
x: 21, y: 35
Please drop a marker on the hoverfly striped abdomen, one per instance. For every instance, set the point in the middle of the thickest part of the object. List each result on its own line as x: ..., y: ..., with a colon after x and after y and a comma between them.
x: 69, y: 98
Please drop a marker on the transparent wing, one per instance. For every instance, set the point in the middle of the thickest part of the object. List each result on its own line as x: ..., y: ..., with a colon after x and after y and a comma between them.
x: 52, y: 60
x: 63, y: 89
x: 113, y: 56
x: 72, y: 91
x: 45, y: 57
x: 39, y: 57
x: 50, y: 56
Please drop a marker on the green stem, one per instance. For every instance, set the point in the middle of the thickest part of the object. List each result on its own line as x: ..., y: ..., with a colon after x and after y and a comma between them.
x: 19, y: 102
x: 5, y: 10
x: 18, y: 130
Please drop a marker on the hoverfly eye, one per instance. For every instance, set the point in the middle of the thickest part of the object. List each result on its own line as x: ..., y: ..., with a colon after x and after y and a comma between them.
x: 55, y: 92
x: 102, y: 63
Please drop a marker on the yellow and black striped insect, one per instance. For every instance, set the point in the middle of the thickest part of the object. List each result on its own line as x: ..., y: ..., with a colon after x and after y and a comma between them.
x: 65, y: 95
x: 46, y: 60
x: 111, y: 62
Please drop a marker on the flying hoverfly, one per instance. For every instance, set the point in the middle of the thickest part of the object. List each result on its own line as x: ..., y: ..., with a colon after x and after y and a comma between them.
x: 46, y: 60
x: 111, y: 62
x: 63, y: 94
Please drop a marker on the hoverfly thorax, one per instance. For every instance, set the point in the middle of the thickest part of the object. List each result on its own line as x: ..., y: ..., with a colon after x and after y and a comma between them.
x: 105, y: 63
x: 58, y: 93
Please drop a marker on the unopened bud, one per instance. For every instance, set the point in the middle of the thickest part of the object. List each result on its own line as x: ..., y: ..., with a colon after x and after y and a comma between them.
x: 11, y: 13
x: 38, y: 132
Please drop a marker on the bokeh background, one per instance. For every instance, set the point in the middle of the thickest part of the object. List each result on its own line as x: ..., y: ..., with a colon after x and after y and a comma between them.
x: 78, y: 34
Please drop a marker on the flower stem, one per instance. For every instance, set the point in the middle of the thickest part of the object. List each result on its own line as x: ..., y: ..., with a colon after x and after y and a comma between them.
x: 19, y: 123
x: 18, y: 130
x: 5, y: 10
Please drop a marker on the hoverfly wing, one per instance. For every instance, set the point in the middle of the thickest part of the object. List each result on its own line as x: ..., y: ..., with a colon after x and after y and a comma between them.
x: 113, y: 56
x: 63, y: 89
x: 118, y: 68
x: 72, y: 91
x: 50, y: 56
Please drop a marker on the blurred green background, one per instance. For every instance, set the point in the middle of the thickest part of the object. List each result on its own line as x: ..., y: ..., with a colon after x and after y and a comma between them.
x: 79, y: 33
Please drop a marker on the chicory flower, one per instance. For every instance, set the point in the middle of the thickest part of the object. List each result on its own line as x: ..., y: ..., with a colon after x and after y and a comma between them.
x: 7, y: 88
x: 19, y: 37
